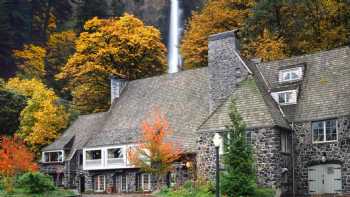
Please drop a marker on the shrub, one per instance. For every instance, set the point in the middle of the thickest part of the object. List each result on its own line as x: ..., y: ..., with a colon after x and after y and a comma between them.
x: 189, y: 189
x: 264, y: 192
x: 36, y: 182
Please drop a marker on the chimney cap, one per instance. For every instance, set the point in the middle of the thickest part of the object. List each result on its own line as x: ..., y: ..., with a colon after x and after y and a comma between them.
x: 223, y: 35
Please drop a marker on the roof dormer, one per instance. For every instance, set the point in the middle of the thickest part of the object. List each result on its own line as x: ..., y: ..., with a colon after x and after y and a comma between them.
x: 290, y: 74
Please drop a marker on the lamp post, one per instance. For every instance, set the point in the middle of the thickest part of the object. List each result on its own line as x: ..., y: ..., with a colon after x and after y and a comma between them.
x: 217, y: 140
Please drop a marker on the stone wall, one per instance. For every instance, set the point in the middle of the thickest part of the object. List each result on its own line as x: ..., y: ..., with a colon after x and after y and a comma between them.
x: 267, y: 153
x: 308, y: 154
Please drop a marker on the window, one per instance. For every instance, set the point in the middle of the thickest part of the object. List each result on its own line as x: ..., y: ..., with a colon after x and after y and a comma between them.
x: 290, y: 74
x: 286, y: 142
x: 93, y: 155
x: 324, y: 131
x: 146, y: 182
x: 50, y: 157
x: 115, y: 153
x: 285, y: 97
x: 100, y: 183
x: 124, y: 183
x: 249, y: 137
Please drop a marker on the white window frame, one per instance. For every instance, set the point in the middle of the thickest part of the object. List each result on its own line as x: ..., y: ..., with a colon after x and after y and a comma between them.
x: 285, y: 142
x: 291, y: 101
x: 126, y: 183
x: 59, y: 161
x: 324, y: 132
x: 86, y: 153
x: 298, y: 71
x: 98, y: 179
x: 143, y: 182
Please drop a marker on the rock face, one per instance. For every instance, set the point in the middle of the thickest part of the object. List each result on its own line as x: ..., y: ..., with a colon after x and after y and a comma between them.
x: 154, y: 12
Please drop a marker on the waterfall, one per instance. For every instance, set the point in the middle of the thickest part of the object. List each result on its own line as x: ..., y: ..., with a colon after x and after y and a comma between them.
x: 174, y: 57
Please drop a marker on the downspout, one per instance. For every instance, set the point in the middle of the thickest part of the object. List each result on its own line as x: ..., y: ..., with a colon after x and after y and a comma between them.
x: 293, y: 164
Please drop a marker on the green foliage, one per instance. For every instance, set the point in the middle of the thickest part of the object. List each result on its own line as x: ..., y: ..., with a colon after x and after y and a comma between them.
x: 36, y: 183
x: 189, y: 189
x: 264, y: 192
x: 11, y: 105
x: 18, y: 192
x: 239, y: 178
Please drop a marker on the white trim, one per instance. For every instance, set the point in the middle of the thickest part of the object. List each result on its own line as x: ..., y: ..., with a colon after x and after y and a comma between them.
x: 121, y: 183
x: 52, y: 151
x: 243, y: 62
x: 98, y: 189
x: 292, y: 100
x: 149, y: 182
x: 297, y: 70
x: 324, y: 132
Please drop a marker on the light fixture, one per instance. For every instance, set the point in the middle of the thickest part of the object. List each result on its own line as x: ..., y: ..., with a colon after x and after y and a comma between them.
x: 188, y: 164
x: 323, y: 159
x: 217, y: 140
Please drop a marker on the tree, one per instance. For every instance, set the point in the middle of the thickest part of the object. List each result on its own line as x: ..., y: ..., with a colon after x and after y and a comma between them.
x: 87, y: 9
x: 239, y: 177
x: 123, y: 47
x: 11, y: 105
x: 43, y: 119
x: 268, y: 46
x: 15, y: 158
x: 216, y: 16
x: 304, y: 26
x: 31, y: 61
x: 156, y: 152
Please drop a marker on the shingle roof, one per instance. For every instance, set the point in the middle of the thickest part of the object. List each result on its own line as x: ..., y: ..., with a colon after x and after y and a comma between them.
x: 255, y: 109
x: 324, y: 90
x: 78, y: 133
x: 182, y: 97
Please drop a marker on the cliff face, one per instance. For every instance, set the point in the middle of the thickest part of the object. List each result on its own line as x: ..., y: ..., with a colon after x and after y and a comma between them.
x: 153, y: 12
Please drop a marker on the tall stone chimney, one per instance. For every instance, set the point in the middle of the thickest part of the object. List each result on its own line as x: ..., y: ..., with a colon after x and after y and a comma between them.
x: 117, y: 87
x: 226, y: 67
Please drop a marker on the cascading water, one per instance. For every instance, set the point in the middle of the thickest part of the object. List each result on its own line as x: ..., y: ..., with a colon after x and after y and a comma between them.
x: 174, y: 57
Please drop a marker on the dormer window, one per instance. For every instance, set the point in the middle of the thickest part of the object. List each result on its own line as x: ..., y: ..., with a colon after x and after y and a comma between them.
x: 288, y: 97
x: 52, y: 157
x: 292, y: 74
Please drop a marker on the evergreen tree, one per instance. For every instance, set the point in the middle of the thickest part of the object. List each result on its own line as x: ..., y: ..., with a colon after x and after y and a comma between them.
x: 239, y: 177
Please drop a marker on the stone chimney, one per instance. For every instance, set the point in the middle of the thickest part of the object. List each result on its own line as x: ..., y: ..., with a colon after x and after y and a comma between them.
x: 226, y: 67
x: 117, y: 87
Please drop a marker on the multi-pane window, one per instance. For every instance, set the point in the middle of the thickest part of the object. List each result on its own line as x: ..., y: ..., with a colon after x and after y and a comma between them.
x: 50, y: 157
x: 285, y: 97
x: 324, y: 131
x: 124, y: 183
x: 115, y: 153
x: 93, y: 155
x: 286, y: 142
x: 100, y: 183
x: 146, y: 182
x: 290, y: 74
x: 249, y: 137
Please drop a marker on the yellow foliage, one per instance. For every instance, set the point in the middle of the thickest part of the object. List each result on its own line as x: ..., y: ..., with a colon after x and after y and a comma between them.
x: 268, y: 47
x: 42, y: 119
x: 31, y: 61
x: 123, y: 47
x: 217, y: 16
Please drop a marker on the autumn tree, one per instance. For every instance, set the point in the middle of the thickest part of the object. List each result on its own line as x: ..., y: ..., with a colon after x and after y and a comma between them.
x: 268, y: 47
x: 123, y: 47
x: 43, y: 119
x: 304, y: 26
x: 15, y: 158
x: 156, y: 151
x: 215, y: 17
x: 31, y: 61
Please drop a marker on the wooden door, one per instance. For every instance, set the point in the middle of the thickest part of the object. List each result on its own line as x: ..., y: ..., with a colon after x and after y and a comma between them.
x: 324, y: 179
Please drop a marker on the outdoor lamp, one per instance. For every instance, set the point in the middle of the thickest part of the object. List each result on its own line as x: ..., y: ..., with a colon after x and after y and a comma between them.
x: 217, y: 140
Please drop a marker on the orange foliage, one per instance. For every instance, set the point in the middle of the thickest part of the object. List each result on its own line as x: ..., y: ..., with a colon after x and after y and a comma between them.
x: 15, y: 157
x: 156, y: 152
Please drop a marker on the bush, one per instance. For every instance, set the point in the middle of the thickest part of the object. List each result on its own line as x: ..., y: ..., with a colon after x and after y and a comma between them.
x: 189, y: 189
x: 36, y: 182
x: 264, y: 192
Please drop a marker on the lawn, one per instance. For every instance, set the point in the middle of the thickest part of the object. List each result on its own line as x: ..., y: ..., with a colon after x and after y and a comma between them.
x: 22, y: 193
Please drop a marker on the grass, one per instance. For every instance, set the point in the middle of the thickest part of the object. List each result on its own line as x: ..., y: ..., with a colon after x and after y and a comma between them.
x: 21, y: 193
